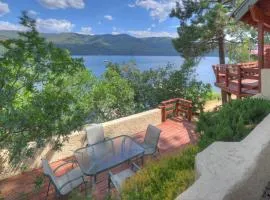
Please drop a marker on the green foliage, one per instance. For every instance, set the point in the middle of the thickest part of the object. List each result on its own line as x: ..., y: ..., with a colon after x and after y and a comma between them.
x: 232, y: 122
x: 163, y: 179
x: 151, y: 87
x: 206, y: 25
x: 213, y: 96
x: 44, y: 93
x: 239, y: 53
x: 113, y: 96
x: 39, y: 183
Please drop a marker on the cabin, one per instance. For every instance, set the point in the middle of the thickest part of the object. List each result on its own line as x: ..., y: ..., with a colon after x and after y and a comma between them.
x: 248, y: 79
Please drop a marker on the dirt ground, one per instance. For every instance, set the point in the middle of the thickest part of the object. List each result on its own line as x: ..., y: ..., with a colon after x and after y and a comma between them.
x: 212, y: 104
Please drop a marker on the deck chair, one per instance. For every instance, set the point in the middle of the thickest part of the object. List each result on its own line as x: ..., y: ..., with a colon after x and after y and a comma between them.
x: 94, y: 134
x: 67, y: 182
x: 118, y: 179
x: 150, y: 143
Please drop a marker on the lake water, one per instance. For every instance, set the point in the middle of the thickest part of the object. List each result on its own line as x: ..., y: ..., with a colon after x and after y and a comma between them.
x: 204, y: 70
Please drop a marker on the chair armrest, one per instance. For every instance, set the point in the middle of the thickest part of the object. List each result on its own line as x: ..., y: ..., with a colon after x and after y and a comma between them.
x: 65, y: 163
x: 135, y: 167
x: 68, y: 182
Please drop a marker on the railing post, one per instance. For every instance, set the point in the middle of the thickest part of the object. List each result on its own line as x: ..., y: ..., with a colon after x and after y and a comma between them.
x: 239, y: 71
x: 163, y: 113
x: 217, y: 74
x: 177, y: 107
x: 189, y: 113
x: 227, y: 77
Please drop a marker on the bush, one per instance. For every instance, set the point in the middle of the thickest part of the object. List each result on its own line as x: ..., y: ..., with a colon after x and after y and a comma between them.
x: 232, y: 122
x: 163, y: 179
x: 153, y: 86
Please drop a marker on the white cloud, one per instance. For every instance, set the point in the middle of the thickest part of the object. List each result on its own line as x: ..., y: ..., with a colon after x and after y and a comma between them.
x: 43, y: 25
x: 108, y: 17
x: 32, y: 13
x: 54, y: 25
x: 116, y: 33
x: 86, y: 30
x: 4, y: 9
x: 158, y: 9
x: 131, y: 5
x: 55, y: 4
x: 4, y: 25
x: 147, y: 33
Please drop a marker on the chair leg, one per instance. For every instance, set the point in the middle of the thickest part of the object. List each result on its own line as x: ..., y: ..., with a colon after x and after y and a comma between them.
x: 85, y: 186
x: 48, y: 190
x: 109, y: 183
x: 156, y: 153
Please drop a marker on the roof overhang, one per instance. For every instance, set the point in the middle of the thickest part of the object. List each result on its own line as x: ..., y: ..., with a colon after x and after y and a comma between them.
x: 243, y: 9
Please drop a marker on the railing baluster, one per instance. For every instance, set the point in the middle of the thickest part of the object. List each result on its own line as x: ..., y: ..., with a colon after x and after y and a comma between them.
x: 239, y: 72
x: 227, y: 77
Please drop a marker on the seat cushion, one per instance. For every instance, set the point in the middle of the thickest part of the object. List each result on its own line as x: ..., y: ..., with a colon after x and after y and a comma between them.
x: 119, y: 178
x: 72, y: 174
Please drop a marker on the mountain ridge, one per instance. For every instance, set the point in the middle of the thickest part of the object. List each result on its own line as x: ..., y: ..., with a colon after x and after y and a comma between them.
x: 106, y: 44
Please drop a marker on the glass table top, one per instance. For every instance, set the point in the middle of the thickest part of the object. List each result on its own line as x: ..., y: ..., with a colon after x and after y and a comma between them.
x: 107, y: 154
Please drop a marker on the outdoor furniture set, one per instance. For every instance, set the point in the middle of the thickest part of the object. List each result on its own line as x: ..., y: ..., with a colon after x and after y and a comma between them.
x: 102, y: 154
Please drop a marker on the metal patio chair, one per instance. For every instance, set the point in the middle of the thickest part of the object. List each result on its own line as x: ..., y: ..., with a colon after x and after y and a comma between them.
x: 150, y: 143
x: 94, y: 134
x: 118, y: 179
x: 67, y: 182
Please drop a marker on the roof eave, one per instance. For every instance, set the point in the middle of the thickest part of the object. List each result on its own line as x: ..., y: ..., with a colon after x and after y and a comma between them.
x: 243, y: 9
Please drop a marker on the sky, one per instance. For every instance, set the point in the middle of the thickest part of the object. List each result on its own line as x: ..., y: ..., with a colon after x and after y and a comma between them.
x: 139, y: 18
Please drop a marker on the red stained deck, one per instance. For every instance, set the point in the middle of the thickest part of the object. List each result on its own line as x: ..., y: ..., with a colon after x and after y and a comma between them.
x: 176, y: 133
x: 241, y: 80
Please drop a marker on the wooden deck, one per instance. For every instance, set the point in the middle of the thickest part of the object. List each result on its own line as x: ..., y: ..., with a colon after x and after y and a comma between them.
x: 241, y: 80
x: 176, y: 134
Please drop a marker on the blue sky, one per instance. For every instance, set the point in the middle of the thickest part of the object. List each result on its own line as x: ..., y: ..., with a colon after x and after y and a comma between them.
x: 140, y: 18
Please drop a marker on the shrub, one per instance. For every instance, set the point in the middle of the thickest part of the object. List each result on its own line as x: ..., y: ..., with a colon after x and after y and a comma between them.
x: 153, y: 86
x: 232, y: 122
x: 163, y: 179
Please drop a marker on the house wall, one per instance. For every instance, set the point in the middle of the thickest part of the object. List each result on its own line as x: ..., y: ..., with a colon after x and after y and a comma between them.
x: 233, y: 170
x: 127, y: 125
x: 265, y: 78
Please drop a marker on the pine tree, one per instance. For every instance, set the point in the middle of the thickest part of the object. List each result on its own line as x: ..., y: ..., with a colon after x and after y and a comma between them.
x: 204, y: 25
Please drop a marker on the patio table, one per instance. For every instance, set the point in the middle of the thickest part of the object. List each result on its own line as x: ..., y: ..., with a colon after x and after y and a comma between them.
x: 107, y: 154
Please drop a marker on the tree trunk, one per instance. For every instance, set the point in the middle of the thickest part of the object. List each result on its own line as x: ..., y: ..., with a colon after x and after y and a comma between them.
x: 221, y: 45
x: 221, y: 48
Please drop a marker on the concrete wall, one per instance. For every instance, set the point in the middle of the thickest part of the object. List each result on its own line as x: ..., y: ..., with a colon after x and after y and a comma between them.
x: 265, y: 78
x: 233, y: 170
x: 127, y: 125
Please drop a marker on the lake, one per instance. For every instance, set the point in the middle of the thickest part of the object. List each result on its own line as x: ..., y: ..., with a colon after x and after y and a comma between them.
x: 204, y: 69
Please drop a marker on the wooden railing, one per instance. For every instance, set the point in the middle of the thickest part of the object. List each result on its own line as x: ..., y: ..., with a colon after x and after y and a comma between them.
x: 176, y: 107
x: 237, y: 78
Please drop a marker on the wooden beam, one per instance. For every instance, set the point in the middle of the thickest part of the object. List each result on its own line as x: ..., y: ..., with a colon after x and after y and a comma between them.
x: 261, y: 44
x: 258, y: 15
x: 224, y: 97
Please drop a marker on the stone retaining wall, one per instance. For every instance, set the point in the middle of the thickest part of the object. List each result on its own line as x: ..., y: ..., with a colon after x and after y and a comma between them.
x: 233, y: 170
x: 127, y: 125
